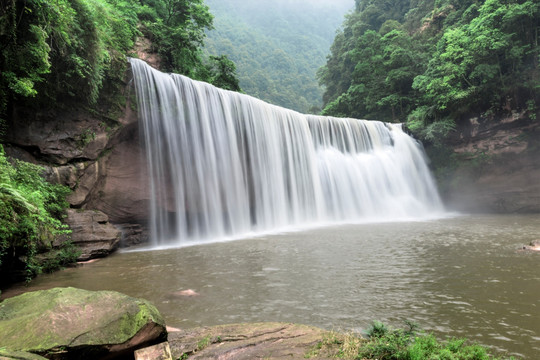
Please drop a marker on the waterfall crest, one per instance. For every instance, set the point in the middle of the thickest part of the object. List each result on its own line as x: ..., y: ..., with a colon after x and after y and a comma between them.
x: 225, y: 164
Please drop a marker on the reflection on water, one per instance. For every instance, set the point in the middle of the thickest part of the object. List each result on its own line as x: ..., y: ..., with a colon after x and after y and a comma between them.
x: 459, y: 277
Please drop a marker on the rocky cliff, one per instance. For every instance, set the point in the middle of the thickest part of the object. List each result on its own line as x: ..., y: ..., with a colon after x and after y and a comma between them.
x: 493, y: 165
x: 98, y: 155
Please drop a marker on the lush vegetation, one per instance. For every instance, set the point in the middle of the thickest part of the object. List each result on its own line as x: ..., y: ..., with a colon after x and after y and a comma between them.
x: 31, y: 212
x: 57, y: 52
x: 384, y: 343
x: 176, y: 29
x: 277, y: 45
x: 430, y: 62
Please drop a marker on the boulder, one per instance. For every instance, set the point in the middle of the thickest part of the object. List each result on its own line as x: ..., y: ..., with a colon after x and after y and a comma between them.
x: 533, y: 246
x: 92, y: 233
x: 69, y: 323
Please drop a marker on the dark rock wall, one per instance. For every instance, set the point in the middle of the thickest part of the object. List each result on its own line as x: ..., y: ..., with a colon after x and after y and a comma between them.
x: 495, y: 167
x: 97, y: 156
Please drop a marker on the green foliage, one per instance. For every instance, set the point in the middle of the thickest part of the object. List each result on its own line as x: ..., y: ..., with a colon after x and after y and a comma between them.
x: 61, y: 50
x: 176, y: 29
x: 277, y: 46
x: 376, y: 330
x: 57, y: 259
x: 71, y: 53
x: 386, y: 343
x: 57, y: 53
x: 30, y: 212
x: 428, y: 62
x: 223, y: 73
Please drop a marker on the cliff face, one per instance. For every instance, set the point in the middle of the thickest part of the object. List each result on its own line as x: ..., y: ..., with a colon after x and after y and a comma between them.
x: 494, y: 166
x: 97, y: 155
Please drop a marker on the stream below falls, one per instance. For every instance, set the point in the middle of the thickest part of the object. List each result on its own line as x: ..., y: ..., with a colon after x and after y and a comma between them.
x: 463, y: 276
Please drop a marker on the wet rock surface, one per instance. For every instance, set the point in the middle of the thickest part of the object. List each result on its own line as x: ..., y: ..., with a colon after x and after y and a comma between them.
x: 496, y: 166
x: 92, y: 233
x: 247, y: 341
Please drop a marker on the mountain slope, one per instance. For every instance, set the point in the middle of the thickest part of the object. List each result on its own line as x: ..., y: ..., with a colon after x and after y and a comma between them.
x: 277, y: 45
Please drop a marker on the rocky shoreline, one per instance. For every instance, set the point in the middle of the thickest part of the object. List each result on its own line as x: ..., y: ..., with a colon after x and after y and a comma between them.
x: 69, y: 323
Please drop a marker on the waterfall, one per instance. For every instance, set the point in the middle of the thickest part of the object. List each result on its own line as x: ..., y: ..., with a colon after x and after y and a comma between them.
x: 225, y: 164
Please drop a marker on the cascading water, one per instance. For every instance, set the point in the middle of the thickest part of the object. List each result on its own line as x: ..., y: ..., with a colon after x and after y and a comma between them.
x: 224, y: 164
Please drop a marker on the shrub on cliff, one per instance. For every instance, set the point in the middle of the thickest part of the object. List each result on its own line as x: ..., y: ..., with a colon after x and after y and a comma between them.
x: 30, y: 215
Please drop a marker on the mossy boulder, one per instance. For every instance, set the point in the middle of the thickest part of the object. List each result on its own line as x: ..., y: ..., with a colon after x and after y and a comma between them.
x: 64, y: 323
x: 18, y: 355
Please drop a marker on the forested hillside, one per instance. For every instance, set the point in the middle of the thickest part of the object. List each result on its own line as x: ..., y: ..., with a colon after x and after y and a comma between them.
x: 57, y: 51
x: 430, y: 63
x: 277, y: 45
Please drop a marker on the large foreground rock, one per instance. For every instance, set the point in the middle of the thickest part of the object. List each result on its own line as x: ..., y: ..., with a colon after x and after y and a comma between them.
x: 248, y: 341
x: 69, y: 323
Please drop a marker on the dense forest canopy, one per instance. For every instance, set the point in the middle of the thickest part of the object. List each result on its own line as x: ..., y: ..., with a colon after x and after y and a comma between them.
x: 277, y: 45
x: 431, y: 62
x: 57, y: 51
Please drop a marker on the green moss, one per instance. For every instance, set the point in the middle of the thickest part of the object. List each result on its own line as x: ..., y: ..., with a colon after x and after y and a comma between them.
x: 31, y: 210
x: 69, y: 318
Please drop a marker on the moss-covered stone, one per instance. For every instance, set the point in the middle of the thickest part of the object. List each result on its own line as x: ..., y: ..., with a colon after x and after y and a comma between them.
x: 18, y: 355
x: 64, y: 321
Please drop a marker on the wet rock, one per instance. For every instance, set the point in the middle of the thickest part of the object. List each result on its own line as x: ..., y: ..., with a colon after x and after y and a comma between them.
x: 246, y: 341
x: 133, y: 234
x: 533, y: 246
x: 69, y: 323
x: 92, y: 233
x: 187, y: 293
x: 88, y: 176
x: 497, y: 167
x: 74, y: 134
x: 157, y: 352
x: 122, y: 191
x: 99, y: 157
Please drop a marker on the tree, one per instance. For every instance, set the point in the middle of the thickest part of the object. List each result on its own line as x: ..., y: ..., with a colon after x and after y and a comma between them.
x: 223, y: 73
x: 177, y: 30
x: 442, y: 60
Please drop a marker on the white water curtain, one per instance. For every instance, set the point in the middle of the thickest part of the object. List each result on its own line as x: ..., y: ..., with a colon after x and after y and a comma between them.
x: 225, y: 164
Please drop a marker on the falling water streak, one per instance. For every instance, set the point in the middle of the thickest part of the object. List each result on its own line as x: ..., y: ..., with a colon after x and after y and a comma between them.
x: 224, y: 164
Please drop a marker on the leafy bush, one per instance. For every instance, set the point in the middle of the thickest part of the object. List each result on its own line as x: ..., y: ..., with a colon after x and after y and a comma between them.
x: 386, y: 343
x: 30, y: 214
